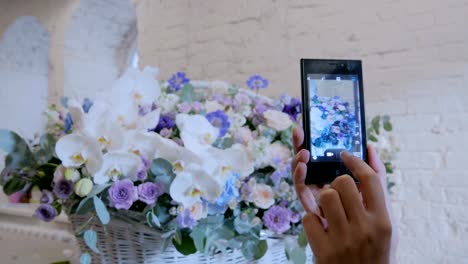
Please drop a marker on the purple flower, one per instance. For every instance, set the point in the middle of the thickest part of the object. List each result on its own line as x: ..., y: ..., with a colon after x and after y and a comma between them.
x: 122, y: 194
x: 197, y: 106
x: 177, y: 81
x: 220, y: 120
x: 68, y: 123
x: 46, y: 212
x: 86, y: 105
x: 63, y: 188
x: 222, y: 99
x: 277, y: 175
x: 165, y: 121
x: 277, y: 219
x: 148, y: 192
x: 47, y: 197
x: 184, y: 107
x: 293, y: 109
x: 295, y: 218
x: 144, y: 109
x: 143, y: 169
x: 185, y: 219
x: 257, y: 82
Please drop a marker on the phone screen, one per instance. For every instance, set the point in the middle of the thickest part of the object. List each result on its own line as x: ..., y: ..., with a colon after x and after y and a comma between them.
x: 335, y: 116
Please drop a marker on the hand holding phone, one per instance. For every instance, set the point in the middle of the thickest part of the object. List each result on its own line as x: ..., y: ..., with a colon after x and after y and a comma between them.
x: 333, y: 116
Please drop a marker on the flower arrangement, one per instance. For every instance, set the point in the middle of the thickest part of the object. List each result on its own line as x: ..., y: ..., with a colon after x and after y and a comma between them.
x: 207, y: 168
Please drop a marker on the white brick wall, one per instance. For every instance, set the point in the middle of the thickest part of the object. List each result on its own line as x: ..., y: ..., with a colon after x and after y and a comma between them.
x: 415, y: 57
x: 24, y: 66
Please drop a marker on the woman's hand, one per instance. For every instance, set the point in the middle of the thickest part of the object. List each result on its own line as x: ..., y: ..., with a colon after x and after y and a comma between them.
x: 346, y: 224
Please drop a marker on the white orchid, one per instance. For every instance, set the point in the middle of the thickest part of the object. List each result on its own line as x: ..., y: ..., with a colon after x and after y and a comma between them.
x: 192, y: 184
x: 140, y: 143
x: 231, y: 160
x: 138, y: 87
x: 196, y: 132
x: 116, y: 166
x: 76, y: 150
x: 129, y: 116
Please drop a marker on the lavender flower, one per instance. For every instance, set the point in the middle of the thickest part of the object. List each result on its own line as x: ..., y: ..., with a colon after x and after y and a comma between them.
x: 295, y: 218
x: 63, y: 188
x: 185, y: 219
x: 184, y: 107
x: 86, y: 105
x: 277, y: 175
x: 177, y: 81
x: 46, y: 212
x: 293, y: 109
x: 165, y: 121
x: 256, y: 82
x: 220, y: 120
x: 122, y: 194
x: 148, y: 192
x: 143, y: 169
x: 68, y: 123
x: 277, y: 219
x: 47, y: 197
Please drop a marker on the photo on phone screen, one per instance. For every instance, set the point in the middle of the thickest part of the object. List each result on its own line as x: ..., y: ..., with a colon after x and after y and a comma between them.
x: 335, y: 116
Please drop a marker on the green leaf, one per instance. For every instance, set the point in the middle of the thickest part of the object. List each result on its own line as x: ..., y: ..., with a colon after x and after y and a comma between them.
x: 298, y: 255
x: 97, y: 189
x: 372, y: 138
x: 90, y: 239
x: 13, y: 185
x: 46, y: 149
x: 302, y: 239
x: 388, y: 167
x: 187, y: 93
x: 186, y: 245
x: 286, y: 137
x: 19, y: 154
x: 387, y: 125
x: 101, y: 210
x: 375, y: 123
x: 85, y: 205
x: 224, y: 143
x: 198, y: 236
x: 254, y: 249
x: 152, y: 219
x: 163, y: 171
x: 165, y: 244
x: 85, y: 258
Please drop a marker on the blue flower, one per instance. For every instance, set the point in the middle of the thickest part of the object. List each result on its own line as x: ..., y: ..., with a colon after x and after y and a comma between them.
x: 177, y: 81
x: 185, y: 220
x: 293, y: 109
x: 87, y: 105
x: 165, y: 121
x: 220, y: 120
x: 68, y: 123
x: 257, y: 82
x: 230, y: 192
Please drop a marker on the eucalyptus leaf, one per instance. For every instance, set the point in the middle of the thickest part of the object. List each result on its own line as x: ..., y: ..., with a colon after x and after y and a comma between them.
x: 90, y: 239
x: 165, y: 244
x: 187, y: 93
x: 19, y: 154
x: 198, y: 236
x: 152, y: 219
x: 97, y: 189
x: 302, y: 239
x: 375, y: 123
x: 297, y: 255
x: 224, y: 143
x: 85, y: 258
x: 101, y: 210
x: 85, y: 206
x: 254, y: 249
x: 178, y: 236
x: 163, y: 171
x: 242, y: 226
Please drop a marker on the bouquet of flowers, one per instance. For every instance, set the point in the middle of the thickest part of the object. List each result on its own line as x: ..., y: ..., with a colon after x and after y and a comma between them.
x: 209, y: 169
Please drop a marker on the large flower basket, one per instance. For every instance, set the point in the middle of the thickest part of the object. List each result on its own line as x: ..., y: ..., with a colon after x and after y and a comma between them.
x: 125, y: 243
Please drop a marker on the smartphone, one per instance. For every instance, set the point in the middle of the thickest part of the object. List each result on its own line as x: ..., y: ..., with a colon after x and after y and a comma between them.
x: 333, y: 116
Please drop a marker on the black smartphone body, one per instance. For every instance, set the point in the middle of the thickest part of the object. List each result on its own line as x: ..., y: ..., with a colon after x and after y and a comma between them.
x: 333, y: 116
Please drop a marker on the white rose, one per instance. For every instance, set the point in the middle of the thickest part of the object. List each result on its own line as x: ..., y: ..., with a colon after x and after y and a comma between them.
x: 280, y: 155
x: 258, y: 152
x: 168, y: 102
x: 243, y: 135
x: 237, y: 120
x: 263, y: 196
x: 277, y: 120
x: 198, y: 211
x: 212, y: 106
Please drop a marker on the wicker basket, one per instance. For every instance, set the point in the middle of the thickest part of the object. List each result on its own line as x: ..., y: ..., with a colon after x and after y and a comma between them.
x: 121, y: 242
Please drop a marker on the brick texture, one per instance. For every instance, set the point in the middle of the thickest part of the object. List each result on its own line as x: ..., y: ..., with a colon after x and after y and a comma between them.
x: 415, y: 56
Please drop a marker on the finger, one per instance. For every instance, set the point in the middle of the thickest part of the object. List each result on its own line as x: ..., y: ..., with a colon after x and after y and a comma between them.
x: 350, y: 197
x: 302, y: 156
x: 315, y: 233
x: 304, y: 193
x: 333, y: 211
x: 298, y: 139
x: 376, y: 164
x: 369, y: 183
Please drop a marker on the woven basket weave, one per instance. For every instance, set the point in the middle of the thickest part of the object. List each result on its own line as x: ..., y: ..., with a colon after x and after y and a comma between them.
x: 125, y: 243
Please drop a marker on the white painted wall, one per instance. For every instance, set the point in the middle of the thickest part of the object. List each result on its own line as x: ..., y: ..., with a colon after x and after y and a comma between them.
x: 415, y: 56
x: 24, y: 67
